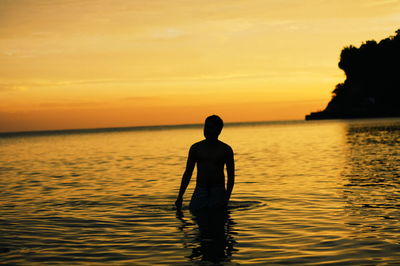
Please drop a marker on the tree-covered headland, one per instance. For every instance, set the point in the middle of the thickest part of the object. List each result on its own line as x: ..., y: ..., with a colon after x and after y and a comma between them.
x: 372, y: 84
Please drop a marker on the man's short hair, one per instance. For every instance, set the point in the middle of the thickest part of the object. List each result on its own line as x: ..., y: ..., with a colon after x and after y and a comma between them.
x: 216, y: 120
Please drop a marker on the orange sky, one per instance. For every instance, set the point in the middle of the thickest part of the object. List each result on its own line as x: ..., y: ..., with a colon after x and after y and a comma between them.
x: 108, y: 63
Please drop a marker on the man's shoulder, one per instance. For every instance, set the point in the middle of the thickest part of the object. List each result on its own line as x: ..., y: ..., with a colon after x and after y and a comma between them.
x: 225, y: 146
x: 197, y: 145
x: 202, y: 144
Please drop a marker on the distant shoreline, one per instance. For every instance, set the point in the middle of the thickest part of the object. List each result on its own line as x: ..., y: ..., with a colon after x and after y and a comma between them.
x: 177, y: 126
x: 132, y: 128
x: 331, y: 116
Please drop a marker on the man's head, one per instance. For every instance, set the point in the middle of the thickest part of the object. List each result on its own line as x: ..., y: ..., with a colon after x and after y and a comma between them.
x: 212, y: 127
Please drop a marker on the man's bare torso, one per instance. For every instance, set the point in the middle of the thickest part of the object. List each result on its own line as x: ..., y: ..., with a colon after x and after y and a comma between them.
x: 211, y: 157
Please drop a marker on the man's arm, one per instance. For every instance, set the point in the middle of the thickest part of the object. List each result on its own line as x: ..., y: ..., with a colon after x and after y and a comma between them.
x: 187, y: 175
x: 230, y: 169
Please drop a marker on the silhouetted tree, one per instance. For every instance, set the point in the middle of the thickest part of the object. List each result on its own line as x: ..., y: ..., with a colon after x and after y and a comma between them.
x: 372, y: 84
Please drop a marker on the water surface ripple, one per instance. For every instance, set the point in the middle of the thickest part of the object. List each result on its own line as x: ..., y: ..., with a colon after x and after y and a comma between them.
x: 306, y: 193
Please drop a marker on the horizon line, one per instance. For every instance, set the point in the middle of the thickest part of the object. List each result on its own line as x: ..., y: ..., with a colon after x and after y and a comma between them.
x: 128, y: 128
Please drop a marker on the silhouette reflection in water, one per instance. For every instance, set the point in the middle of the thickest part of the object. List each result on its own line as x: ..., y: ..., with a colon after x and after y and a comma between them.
x: 212, y: 239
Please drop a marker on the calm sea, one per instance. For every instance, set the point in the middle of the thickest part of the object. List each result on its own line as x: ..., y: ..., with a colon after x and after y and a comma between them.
x: 320, y: 193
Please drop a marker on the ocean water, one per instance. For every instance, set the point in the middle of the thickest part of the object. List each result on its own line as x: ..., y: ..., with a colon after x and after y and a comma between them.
x: 306, y: 193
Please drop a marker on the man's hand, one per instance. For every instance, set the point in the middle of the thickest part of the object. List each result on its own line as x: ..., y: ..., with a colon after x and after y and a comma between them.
x: 178, y: 203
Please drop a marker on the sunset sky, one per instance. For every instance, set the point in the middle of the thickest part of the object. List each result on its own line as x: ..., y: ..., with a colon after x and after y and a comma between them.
x: 109, y: 63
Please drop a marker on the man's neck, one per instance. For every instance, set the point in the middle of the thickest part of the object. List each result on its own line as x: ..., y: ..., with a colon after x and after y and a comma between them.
x: 212, y: 141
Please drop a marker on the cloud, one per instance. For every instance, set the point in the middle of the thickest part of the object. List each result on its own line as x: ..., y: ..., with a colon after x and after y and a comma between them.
x: 29, y: 84
x: 7, y: 87
x: 392, y: 3
x: 79, y: 104
x: 140, y: 98
x: 168, y: 33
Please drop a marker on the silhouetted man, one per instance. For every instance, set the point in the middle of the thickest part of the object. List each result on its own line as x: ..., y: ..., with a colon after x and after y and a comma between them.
x: 211, y: 155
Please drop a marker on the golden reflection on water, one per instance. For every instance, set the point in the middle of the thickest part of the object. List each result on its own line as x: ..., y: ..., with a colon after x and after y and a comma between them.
x: 372, y: 190
x: 305, y: 193
x: 289, y: 162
